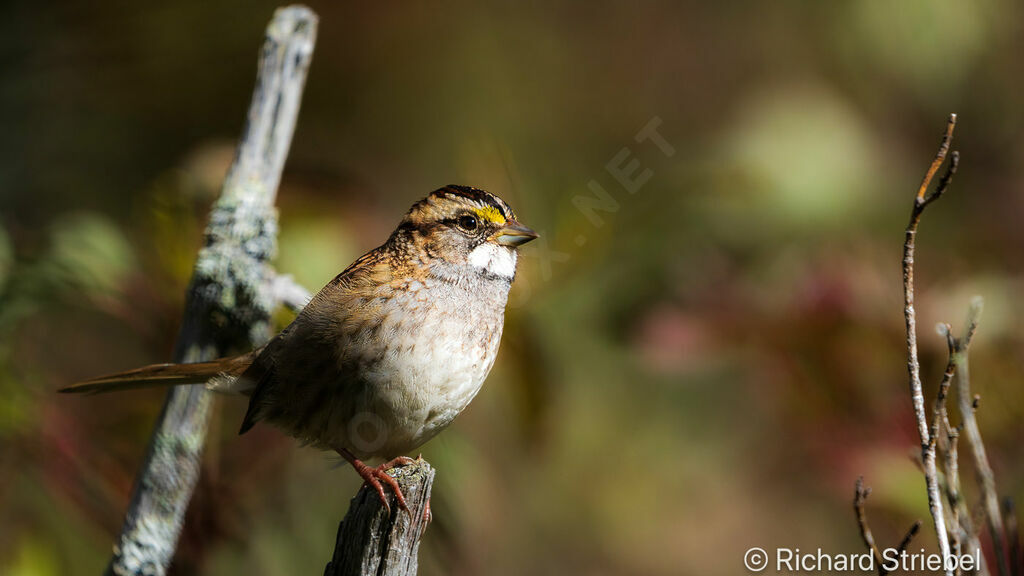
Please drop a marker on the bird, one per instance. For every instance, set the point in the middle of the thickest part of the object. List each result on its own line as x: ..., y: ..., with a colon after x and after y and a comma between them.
x: 388, y: 353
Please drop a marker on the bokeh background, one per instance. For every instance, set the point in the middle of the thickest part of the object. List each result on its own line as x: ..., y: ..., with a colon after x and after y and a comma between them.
x: 708, y: 370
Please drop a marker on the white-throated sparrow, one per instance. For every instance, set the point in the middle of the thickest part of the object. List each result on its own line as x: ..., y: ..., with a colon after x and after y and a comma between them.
x: 389, y: 352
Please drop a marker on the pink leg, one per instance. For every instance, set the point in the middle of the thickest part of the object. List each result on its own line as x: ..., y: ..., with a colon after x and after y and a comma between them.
x: 373, y: 476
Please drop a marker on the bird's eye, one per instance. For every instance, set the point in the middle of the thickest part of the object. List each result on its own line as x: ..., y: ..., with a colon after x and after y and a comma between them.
x: 468, y: 223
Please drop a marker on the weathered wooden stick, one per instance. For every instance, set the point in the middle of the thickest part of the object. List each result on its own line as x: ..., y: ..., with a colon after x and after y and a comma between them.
x: 229, y: 300
x: 372, y: 542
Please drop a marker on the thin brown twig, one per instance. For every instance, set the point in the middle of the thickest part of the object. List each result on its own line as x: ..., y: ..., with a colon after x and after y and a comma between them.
x: 954, y: 163
x: 939, y: 408
x: 928, y: 455
x: 910, y: 536
x: 940, y: 156
x: 860, y: 496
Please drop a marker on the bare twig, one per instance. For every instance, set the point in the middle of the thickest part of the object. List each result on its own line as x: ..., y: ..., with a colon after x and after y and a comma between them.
x: 228, y: 304
x: 965, y: 538
x: 973, y: 319
x: 928, y: 456
x: 860, y: 496
x: 961, y: 525
x: 943, y: 439
x: 909, y: 536
x: 939, y: 408
x: 371, y: 541
x: 986, y: 478
x: 947, y: 446
x: 940, y: 156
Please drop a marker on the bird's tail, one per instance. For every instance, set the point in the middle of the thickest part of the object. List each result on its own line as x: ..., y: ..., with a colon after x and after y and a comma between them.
x: 218, y: 375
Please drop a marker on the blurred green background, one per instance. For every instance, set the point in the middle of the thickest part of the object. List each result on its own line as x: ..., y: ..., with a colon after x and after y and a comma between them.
x: 708, y: 370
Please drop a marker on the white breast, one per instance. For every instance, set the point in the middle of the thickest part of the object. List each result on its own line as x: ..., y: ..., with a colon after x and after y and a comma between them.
x: 495, y: 259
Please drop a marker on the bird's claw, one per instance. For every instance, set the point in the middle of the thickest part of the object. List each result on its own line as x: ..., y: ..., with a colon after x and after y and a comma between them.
x: 374, y: 476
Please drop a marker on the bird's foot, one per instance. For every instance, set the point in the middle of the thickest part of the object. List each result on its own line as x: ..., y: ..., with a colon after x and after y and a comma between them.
x: 377, y: 476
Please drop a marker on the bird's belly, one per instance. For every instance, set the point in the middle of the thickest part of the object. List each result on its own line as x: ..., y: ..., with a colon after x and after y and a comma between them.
x: 415, y: 388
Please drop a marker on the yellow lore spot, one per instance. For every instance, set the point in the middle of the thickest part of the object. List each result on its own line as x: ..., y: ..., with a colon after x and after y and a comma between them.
x: 490, y: 214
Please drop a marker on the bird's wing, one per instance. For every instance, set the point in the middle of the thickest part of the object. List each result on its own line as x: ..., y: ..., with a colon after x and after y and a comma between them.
x: 306, y: 352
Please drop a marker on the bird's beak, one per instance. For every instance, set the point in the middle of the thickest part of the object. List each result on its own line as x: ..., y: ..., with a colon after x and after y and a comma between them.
x: 514, y: 234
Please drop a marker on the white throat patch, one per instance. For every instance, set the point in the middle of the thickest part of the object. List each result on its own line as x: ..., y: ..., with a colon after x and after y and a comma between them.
x: 497, y: 260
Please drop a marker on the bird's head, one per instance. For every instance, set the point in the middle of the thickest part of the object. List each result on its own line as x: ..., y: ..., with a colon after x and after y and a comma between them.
x: 467, y: 227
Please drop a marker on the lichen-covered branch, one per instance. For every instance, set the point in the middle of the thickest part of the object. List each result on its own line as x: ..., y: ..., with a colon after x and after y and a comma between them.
x: 229, y: 300
x: 289, y: 293
x: 370, y: 541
